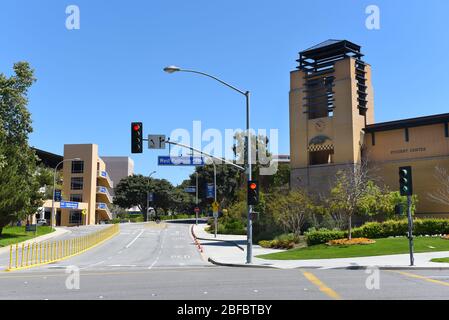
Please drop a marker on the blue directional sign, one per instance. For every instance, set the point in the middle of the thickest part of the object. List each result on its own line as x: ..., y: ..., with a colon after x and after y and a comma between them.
x: 180, y: 161
x: 210, y: 191
x: 58, y: 195
x: 150, y: 196
x: 190, y: 189
x: 69, y: 205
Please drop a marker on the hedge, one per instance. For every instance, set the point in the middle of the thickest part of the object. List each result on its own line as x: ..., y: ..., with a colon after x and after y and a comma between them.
x: 389, y: 228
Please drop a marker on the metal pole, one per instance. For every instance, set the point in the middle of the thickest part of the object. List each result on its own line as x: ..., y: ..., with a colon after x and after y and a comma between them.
x: 215, y: 196
x: 53, y: 214
x: 249, y: 228
x: 196, y: 189
x: 410, y: 229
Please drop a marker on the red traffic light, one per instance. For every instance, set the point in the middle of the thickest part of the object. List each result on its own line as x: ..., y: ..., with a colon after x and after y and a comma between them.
x: 136, y: 127
x: 253, y: 186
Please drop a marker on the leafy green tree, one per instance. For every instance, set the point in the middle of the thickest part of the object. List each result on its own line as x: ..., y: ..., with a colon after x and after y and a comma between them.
x: 132, y: 191
x: 18, y: 187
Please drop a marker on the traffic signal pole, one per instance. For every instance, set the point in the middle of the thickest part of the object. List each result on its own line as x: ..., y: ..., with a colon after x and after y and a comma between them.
x: 406, y: 189
x: 410, y: 229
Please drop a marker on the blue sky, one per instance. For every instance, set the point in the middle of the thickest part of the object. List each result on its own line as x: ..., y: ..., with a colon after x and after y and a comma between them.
x: 94, y: 81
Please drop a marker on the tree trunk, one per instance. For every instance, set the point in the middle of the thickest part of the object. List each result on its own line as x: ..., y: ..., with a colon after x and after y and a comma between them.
x: 350, y: 227
x: 1, y: 230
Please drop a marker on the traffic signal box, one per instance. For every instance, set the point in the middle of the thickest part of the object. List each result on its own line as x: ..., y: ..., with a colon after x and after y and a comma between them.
x: 405, y: 181
x: 253, y: 192
x: 136, y: 137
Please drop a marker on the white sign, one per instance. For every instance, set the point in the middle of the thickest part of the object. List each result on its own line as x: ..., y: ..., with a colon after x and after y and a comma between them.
x: 156, y: 141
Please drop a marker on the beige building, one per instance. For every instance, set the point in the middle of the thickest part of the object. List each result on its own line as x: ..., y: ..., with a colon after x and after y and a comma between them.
x: 332, y: 127
x: 119, y: 167
x: 87, y: 182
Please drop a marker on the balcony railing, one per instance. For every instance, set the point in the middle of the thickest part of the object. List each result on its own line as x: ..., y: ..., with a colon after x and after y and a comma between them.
x: 104, y: 191
x: 104, y: 207
x: 104, y: 175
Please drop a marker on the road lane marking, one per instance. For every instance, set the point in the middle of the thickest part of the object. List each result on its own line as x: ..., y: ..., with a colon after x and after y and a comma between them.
x: 412, y: 275
x: 134, y: 240
x: 323, y: 288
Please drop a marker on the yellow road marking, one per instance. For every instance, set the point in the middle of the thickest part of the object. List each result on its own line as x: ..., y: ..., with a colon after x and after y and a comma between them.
x: 411, y: 275
x: 323, y: 288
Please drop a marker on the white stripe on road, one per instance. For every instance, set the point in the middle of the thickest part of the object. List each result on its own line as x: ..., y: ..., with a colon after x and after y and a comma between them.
x: 134, y: 240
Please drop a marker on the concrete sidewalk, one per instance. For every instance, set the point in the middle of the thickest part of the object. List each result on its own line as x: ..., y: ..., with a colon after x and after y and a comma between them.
x: 230, y: 250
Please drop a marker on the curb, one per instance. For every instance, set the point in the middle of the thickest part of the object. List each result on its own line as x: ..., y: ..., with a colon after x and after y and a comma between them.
x: 240, y: 265
x: 390, y: 268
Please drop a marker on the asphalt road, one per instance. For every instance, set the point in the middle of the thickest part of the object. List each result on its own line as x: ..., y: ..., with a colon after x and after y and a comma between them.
x: 161, y: 262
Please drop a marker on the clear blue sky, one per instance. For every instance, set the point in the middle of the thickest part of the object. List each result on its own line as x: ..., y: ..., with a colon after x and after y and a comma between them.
x: 94, y: 81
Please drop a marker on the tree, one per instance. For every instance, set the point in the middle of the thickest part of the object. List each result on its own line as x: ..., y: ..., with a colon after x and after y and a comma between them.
x: 441, y: 195
x: 351, y: 186
x: 132, y: 191
x: 18, y: 187
x: 292, y: 210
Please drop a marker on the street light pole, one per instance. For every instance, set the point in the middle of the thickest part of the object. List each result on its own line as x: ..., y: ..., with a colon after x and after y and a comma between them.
x: 148, y: 192
x: 249, y: 229
x: 196, y: 189
x: 53, y: 213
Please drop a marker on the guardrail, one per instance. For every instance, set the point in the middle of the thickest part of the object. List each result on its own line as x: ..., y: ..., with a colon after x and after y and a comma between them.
x: 40, y: 253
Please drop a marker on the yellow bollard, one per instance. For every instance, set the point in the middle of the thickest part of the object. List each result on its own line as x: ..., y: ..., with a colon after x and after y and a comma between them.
x: 17, y: 255
x: 60, y: 249
x: 28, y: 254
x: 54, y: 251
x: 21, y: 259
x: 10, y: 256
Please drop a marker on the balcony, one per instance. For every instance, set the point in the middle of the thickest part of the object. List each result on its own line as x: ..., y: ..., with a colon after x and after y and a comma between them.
x: 103, y: 177
x: 103, y: 210
x: 104, y: 195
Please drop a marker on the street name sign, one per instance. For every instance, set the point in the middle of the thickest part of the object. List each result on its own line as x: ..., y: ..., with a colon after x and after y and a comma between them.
x: 190, y: 189
x: 180, y: 161
x: 69, y: 205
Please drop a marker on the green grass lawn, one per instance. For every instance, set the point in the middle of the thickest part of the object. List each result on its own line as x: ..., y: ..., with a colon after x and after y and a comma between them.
x: 445, y: 260
x: 381, y: 247
x: 12, y: 235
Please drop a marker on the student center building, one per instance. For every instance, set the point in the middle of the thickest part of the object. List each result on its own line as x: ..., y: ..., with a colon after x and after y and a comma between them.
x: 332, y: 127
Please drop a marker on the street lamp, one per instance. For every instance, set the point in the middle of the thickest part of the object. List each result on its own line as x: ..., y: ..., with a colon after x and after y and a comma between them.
x: 148, y: 192
x: 249, y: 232
x: 53, y: 213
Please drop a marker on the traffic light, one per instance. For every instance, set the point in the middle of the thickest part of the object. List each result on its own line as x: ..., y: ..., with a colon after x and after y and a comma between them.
x: 136, y: 137
x: 253, y: 192
x: 405, y: 181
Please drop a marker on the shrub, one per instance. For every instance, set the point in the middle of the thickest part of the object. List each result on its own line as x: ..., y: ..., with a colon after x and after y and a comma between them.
x: 323, y: 236
x: 277, y: 244
x: 375, y: 230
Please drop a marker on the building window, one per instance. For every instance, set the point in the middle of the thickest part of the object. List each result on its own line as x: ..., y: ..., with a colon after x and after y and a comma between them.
x: 77, y: 166
x: 446, y: 130
x: 321, y: 157
x: 77, y: 183
x: 406, y: 135
x: 373, y: 139
x: 75, y: 217
x: 76, y: 197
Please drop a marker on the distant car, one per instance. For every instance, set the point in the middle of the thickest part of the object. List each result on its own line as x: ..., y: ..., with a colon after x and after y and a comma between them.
x: 41, y: 222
